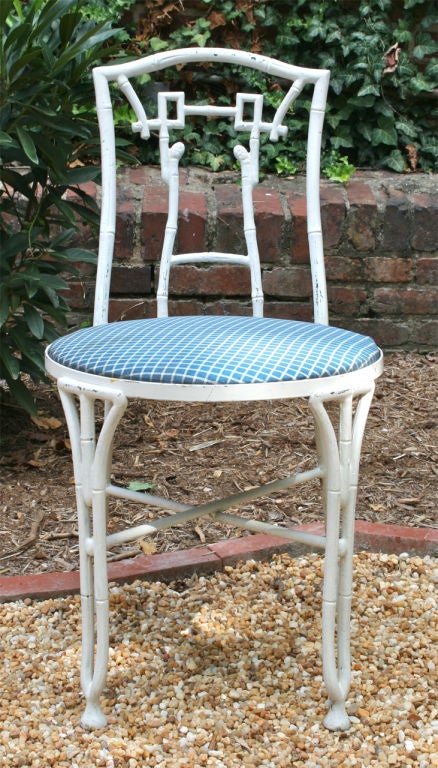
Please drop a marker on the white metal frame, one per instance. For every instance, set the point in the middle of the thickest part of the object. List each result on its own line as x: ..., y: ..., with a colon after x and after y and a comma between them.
x: 338, y: 447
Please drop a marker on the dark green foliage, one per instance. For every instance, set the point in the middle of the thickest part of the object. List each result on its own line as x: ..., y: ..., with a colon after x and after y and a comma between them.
x: 47, y: 49
x: 374, y: 119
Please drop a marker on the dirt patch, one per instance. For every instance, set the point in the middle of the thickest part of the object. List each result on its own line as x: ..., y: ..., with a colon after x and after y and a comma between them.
x: 194, y: 453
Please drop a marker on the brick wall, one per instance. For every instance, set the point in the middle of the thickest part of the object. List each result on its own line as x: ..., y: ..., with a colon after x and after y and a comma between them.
x: 381, y: 246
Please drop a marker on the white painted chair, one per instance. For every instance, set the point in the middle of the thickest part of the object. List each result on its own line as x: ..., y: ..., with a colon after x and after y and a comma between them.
x: 212, y: 359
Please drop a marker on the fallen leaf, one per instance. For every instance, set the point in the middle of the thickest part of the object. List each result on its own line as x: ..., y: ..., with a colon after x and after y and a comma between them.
x: 46, y: 422
x: 148, y: 547
x: 35, y: 463
x: 216, y: 19
x: 200, y: 533
x: 391, y: 58
x: 412, y: 156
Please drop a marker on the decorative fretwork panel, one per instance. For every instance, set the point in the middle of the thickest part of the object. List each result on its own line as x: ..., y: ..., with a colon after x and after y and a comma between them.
x: 246, y: 116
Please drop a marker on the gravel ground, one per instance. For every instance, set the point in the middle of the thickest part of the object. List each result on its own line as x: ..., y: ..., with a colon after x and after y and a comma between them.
x: 224, y: 671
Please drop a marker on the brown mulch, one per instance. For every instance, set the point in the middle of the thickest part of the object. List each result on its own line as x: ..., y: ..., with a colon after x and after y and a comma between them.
x: 194, y: 453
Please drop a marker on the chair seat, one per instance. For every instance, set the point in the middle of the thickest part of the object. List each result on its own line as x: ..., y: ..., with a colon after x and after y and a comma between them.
x: 214, y: 350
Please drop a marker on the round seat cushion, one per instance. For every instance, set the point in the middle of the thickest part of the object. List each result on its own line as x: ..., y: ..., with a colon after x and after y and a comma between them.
x: 214, y: 350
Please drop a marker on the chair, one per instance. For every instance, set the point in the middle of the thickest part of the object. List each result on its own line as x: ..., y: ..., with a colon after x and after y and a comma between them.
x: 214, y: 358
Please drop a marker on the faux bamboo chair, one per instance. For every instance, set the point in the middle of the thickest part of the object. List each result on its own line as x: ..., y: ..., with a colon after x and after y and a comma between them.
x: 214, y: 358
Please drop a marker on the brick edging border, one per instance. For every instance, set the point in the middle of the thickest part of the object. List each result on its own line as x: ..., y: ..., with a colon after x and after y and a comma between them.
x: 374, y: 537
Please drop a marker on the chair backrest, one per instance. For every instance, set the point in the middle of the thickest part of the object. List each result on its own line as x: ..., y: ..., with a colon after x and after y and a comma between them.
x: 247, y: 115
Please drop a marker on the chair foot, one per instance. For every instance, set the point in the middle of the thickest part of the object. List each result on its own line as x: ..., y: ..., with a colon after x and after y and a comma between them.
x: 93, y: 716
x: 337, y: 718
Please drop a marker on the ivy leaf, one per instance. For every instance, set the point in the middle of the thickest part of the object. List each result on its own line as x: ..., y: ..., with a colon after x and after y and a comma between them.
x: 419, y: 83
x: 366, y: 90
x: 426, y: 46
x: 407, y: 128
x: 156, y: 44
x: 385, y: 133
x: 396, y: 161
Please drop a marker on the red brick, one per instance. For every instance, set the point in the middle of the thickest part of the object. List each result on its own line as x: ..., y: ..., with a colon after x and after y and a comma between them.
x: 359, y: 191
x: 299, y: 241
x: 126, y: 230
x: 131, y: 309
x: 153, y: 222
x: 346, y: 299
x: 342, y: 268
x: 362, y: 216
x: 407, y: 301
x: 396, y: 221
x: 143, y: 174
x: 39, y: 586
x: 388, y: 334
x: 214, y: 280
x: 192, y: 222
x: 384, y: 269
x: 332, y: 221
x: 269, y: 219
x: 290, y: 310
x: 131, y: 280
x: 257, y: 547
x: 333, y: 212
x: 230, y: 237
x: 380, y: 537
x: 426, y: 334
x: 287, y: 282
x: 208, y: 306
x: 228, y: 307
x: 427, y: 270
x: 425, y: 221
x: 180, y: 307
x: 166, y: 565
x: 80, y: 294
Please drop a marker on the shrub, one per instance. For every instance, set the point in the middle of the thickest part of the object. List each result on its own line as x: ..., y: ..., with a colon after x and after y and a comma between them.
x: 47, y: 49
x: 381, y: 105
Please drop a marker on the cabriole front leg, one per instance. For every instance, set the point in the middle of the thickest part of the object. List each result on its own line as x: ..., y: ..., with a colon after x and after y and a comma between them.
x: 340, y: 457
x: 329, y: 456
x: 92, y: 463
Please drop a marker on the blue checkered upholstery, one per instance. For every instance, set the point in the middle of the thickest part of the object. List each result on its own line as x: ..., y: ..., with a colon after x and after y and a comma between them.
x: 214, y: 350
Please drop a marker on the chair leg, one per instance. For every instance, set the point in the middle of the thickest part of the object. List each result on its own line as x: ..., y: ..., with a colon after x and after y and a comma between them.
x: 92, y: 461
x: 340, y: 458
